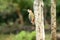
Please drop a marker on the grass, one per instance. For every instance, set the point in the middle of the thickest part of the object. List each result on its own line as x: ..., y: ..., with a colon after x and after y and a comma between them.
x: 21, y: 36
x: 6, y: 37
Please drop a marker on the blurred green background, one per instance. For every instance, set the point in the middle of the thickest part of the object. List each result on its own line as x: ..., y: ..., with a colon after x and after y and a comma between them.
x: 14, y: 21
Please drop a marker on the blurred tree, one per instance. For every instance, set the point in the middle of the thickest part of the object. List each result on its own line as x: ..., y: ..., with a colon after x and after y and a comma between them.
x: 5, y: 8
x: 8, y: 7
x: 53, y: 19
x: 20, y: 15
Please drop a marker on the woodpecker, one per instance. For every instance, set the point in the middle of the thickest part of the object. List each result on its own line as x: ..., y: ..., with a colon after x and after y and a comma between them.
x: 31, y: 16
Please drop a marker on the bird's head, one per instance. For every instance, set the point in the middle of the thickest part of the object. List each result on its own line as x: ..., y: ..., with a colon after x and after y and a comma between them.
x: 29, y: 11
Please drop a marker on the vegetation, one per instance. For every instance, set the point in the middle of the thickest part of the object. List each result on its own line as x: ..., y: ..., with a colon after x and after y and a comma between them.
x: 23, y: 35
x: 10, y: 19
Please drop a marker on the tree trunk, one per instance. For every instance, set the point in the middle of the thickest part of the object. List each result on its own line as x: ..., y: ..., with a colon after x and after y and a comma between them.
x: 20, y: 16
x: 53, y: 19
x: 39, y: 20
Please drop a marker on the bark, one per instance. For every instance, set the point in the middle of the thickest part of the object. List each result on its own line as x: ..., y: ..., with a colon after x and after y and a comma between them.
x: 53, y: 19
x: 39, y: 20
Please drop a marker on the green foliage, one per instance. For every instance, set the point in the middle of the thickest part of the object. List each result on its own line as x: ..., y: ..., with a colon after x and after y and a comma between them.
x: 18, y: 37
x: 47, y: 3
x: 32, y: 36
x: 21, y: 36
x: 25, y: 36
x: 24, y: 4
x: 4, y: 4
